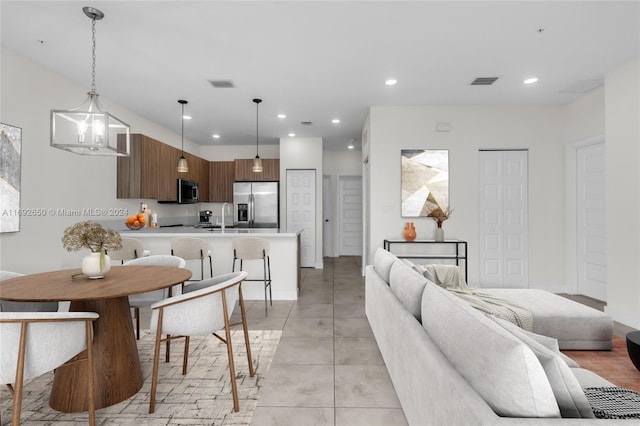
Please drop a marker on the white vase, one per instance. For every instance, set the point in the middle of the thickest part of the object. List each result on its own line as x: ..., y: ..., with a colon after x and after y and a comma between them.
x: 439, y: 234
x: 91, y: 265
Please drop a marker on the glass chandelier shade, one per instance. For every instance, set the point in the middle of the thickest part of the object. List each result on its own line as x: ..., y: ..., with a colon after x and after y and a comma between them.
x: 183, y: 167
x: 257, y: 162
x: 88, y: 129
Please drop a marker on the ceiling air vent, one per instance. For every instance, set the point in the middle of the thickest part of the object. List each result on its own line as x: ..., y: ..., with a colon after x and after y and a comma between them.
x: 484, y: 81
x: 306, y: 123
x: 222, y: 84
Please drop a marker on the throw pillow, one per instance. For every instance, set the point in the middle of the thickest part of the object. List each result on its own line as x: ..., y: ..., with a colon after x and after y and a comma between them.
x: 569, y: 395
x: 382, y: 261
x: 502, y: 369
x: 407, y: 285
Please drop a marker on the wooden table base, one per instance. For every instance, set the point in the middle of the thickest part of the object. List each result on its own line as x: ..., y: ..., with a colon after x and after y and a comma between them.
x: 117, y: 370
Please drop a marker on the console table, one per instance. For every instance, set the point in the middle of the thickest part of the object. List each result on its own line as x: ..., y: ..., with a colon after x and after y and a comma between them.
x: 459, y: 246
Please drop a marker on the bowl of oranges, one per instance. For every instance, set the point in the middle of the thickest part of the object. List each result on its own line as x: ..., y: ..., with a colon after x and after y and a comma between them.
x: 136, y: 222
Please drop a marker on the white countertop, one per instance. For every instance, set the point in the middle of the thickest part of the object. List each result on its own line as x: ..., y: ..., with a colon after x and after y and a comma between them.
x: 181, y: 231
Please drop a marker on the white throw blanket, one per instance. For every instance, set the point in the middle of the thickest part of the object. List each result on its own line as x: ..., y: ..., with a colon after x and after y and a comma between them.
x: 450, y: 278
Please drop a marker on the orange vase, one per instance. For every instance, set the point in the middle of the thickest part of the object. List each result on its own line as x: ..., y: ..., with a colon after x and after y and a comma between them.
x: 409, y: 231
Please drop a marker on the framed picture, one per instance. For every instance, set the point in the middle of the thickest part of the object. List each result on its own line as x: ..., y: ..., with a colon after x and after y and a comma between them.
x: 10, y: 155
x: 425, y: 182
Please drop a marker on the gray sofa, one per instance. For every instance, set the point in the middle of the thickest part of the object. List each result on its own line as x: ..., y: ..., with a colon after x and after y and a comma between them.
x: 452, y: 365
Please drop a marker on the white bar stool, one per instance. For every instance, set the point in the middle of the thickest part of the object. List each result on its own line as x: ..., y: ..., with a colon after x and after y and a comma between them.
x: 253, y: 248
x: 131, y: 249
x: 190, y: 248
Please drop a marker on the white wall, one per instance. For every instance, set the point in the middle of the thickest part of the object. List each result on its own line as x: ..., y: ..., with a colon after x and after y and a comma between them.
x: 56, y: 179
x: 302, y: 153
x: 231, y: 152
x: 336, y: 164
x: 538, y: 129
x: 622, y: 103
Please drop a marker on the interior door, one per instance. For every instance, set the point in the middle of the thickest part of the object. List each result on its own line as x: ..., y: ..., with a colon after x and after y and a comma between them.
x: 301, y: 212
x: 327, y: 217
x: 591, y: 221
x: 350, y: 210
x: 503, y: 219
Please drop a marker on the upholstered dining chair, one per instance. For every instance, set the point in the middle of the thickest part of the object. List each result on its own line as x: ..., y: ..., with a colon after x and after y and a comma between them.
x: 10, y: 306
x: 204, y: 308
x: 253, y: 248
x: 132, y: 248
x: 145, y: 300
x: 34, y: 343
x: 191, y: 248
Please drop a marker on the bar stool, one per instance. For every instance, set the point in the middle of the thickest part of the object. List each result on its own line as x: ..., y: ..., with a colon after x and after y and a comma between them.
x: 131, y: 249
x: 253, y: 248
x: 190, y: 248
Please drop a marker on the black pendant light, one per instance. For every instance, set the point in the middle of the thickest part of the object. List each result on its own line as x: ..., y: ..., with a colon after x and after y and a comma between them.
x: 257, y: 162
x: 183, y: 167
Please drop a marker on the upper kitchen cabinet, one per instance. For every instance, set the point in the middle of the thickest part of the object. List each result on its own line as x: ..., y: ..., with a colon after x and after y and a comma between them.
x: 203, y: 179
x: 221, y: 178
x: 270, y: 170
x: 167, y: 173
x: 136, y: 173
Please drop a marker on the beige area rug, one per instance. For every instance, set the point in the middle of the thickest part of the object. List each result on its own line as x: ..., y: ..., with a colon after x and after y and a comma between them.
x: 202, y: 397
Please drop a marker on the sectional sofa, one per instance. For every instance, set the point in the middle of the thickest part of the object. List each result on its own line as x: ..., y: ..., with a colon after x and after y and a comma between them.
x: 451, y: 364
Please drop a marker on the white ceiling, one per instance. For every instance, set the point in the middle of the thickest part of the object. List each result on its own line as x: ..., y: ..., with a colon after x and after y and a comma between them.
x: 319, y: 60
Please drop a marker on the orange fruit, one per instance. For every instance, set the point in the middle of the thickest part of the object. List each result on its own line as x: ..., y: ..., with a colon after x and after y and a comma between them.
x: 142, y: 220
x: 139, y: 216
x: 130, y: 220
x: 136, y: 223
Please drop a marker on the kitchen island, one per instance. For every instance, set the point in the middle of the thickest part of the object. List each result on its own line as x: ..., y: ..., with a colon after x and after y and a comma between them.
x: 284, y: 255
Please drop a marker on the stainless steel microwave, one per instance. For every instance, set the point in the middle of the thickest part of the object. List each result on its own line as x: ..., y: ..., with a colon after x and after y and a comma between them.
x: 188, y: 192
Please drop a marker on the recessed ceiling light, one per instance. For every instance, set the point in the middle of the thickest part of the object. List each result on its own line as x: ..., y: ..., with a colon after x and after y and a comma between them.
x: 350, y: 146
x: 291, y: 135
x: 531, y: 80
x: 186, y: 117
x: 335, y: 120
x: 390, y: 81
x: 282, y: 115
x: 216, y: 136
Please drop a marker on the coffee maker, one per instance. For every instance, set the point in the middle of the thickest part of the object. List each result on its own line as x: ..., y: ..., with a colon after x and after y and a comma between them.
x: 205, y: 215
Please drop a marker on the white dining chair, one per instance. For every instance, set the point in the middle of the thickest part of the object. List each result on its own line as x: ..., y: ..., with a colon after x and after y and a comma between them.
x: 145, y: 300
x: 191, y: 248
x: 132, y: 248
x: 203, y: 309
x: 34, y: 343
x: 254, y: 248
x: 11, y: 306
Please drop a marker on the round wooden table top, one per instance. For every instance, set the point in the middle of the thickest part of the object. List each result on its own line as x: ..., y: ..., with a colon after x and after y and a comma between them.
x: 119, y: 281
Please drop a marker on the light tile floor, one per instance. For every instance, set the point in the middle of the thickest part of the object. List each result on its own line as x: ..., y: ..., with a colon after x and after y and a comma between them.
x: 327, y: 369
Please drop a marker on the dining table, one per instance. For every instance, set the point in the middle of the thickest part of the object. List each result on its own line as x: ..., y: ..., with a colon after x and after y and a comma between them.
x: 116, y: 364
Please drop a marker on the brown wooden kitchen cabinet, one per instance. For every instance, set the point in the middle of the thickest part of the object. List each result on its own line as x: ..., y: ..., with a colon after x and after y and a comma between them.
x: 221, y: 178
x: 270, y: 170
x: 203, y: 179
x: 136, y: 174
x: 167, y: 173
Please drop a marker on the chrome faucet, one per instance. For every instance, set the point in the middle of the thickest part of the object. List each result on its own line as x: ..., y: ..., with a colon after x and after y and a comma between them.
x: 228, y: 211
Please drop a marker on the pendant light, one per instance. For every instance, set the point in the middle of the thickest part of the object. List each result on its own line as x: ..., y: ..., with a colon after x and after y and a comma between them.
x: 88, y: 129
x: 257, y: 162
x: 183, y: 167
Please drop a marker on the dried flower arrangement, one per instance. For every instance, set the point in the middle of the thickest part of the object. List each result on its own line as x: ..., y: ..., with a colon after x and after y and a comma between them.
x: 91, y: 235
x: 440, y: 215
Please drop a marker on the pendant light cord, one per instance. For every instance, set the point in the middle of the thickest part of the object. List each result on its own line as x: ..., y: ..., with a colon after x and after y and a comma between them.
x: 182, y: 130
x: 257, y: 105
x: 93, y: 56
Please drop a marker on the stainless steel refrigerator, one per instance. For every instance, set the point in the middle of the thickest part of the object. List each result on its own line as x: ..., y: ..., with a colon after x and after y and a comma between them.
x: 256, y: 205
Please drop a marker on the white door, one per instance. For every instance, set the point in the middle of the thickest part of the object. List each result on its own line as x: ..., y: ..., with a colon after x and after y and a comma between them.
x: 327, y: 217
x: 350, y: 211
x: 591, y: 220
x: 503, y: 219
x: 301, y: 212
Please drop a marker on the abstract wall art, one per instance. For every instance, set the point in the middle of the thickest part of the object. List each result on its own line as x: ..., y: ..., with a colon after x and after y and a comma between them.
x: 425, y: 182
x: 10, y: 154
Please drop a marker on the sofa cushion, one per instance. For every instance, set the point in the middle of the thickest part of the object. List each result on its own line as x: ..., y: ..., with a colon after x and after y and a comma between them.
x: 548, y: 342
x: 407, y: 285
x: 382, y: 261
x: 502, y: 369
x: 570, y: 397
